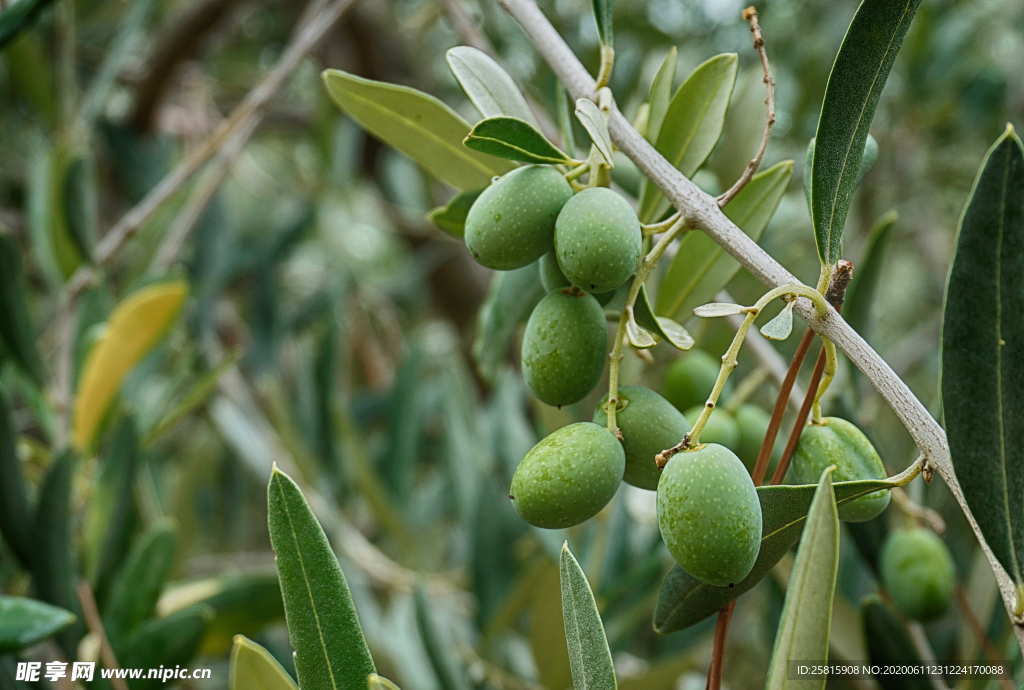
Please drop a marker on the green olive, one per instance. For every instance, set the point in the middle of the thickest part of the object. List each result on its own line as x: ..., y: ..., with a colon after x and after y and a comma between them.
x: 551, y: 276
x: 568, y: 477
x: 838, y: 442
x: 917, y: 571
x: 721, y: 427
x: 598, y: 240
x: 649, y: 424
x: 709, y: 514
x: 690, y: 379
x: 564, y: 348
x: 752, y: 423
x: 512, y: 222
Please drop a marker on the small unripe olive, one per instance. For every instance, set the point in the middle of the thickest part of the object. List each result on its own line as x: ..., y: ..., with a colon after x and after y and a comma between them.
x: 551, y: 276
x: 598, y: 240
x: 511, y: 223
x: 752, y: 423
x: 721, y: 427
x: 690, y: 379
x: 564, y: 348
x: 709, y: 514
x: 649, y: 424
x: 917, y: 571
x: 568, y: 477
x: 838, y: 442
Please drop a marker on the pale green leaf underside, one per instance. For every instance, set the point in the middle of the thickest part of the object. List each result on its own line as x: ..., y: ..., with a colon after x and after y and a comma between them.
x: 24, y: 622
x: 489, y: 87
x: 418, y: 125
x: 593, y: 121
x: 253, y: 668
x: 661, y: 93
x: 589, y: 657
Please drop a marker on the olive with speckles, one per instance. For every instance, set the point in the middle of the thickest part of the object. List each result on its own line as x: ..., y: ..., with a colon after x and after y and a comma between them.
x: 709, y: 514
x: 568, y: 477
x: 838, y: 442
x: 649, y: 424
x: 551, y: 276
x: 918, y: 572
x: 512, y: 222
x: 598, y: 240
x: 752, y: 424
x: 564, y: 347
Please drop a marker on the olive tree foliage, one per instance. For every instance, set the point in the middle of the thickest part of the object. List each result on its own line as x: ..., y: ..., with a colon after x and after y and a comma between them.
x: 512, y: 303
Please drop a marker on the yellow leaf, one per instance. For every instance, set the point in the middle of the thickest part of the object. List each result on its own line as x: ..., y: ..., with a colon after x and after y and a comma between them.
x: 135, y: 326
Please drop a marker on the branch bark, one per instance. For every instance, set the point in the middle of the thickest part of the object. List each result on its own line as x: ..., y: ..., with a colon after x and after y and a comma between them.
x: 702, y: 211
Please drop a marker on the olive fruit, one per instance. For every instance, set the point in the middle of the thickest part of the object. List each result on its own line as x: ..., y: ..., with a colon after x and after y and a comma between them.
x: 568, y: 477
x: 511, y: 223
x: 837, y: 442
x: 690, y: 378
x: 752, y: 424
x: 709, y: 514
x: 598, y: 240
x: 720, y: 428
x: 564, y: 347
x: 918, y: 573
x: 551, y: 276
x: 649, y: 424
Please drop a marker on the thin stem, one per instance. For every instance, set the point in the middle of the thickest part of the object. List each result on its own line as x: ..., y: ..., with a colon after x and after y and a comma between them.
x: 604, y: 72
x: 801, y: 420
x: 92, y: 619
x: 750, y: 15
x: 661, y: 226
x: 614, y: 364
x: 718, y: 652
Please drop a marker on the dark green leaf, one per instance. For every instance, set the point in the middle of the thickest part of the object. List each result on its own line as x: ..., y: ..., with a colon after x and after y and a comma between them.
x: 23, y: 622
x: 488, y: 86
x: 983, y: 353
x: 452, y: 216
x: 139, y: 582
x: 692, y: 125
x: 196, y: 396
x: 169, y: 641
x: 330, y: 651
x: 515, y: 139
x: 866, y: 163
x: 888, y: 643
x: 860, y: 296
x: 511, y: 297
x: 15, y: 505
x: 684, y: 601
x: 589, y: 657
x: 603, y: 11
x: 807, y: 614
x: 17, y: 334
x: 78, y: 199
x: 701, y: 268
x: 450, y: 673
x: 418, y: 125
x: 252, y: 666
x: 18, y: 17
x: 858, y: 75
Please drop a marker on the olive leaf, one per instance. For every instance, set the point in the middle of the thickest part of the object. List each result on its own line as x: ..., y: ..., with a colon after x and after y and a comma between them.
x: 452, y: 216
x: 866, y: 163
x: 565, y: 128
x: 593, y: 120
x: 713, y: 310
x: 855, y: 83
x: 860, y: 296
x: 330, y: 651
x: 638, y: 336
x: 512, y: 138
x: 691, y: 126
x: 806, y: 621
x: 15, y: 504
x: 684, y: 601
x: 780, y: 327
x: 17, y: 332
x: 700, y: 267
x: 662, y: 326
x: 983, y: 353
x: 488, y: 86
x: 139, y: 582
x: 589, y: 657
x: 252, y: 666
x: 603, y: 11
x: 661, y: 93
x: 172, y: 640
x: 134, y: 327
x: 375, y: 682
x: 417, y: 124
x: 888, y: 643
x: 194, y: 397
x: 447, y: 668
x: 24, y: 622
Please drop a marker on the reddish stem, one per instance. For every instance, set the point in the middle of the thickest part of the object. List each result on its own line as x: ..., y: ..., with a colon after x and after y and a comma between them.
x: 801, y: 419
x: 718, y: 655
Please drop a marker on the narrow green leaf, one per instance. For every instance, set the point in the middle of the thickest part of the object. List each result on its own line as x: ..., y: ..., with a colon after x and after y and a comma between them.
x: 781, y: 326
x: 860, y: 296
x: 858, y: 75
x: 195, y: 397
x: 661, y: 93
x: 603, y: 12
x: 330, y: 651
x: 664, y: 327
x: 488, y: 86
x: 889, y: 644
x: 593, y: 120
x: 565, y: 127
x: 254, y: 667
x: 17, y: 333
x: 449, y: 672
x: 983, y: 353
x: 139, y: 582
x: 701, y: 268
x: 866, y: 163
x: 418, y: 125
x: 511, y: 297
x: 19, y: 16
x: 589, y: 657
x: 514, y: 139
x: 684, y: 601
x: 169, y: 641
x: 23, y: 622
x: 807, y: 614
x: 691, y: 126
x: 452, y: 216
x: 15, y: 505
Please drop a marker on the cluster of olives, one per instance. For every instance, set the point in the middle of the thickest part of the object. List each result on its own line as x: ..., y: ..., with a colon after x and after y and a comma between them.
x: 588, y: 245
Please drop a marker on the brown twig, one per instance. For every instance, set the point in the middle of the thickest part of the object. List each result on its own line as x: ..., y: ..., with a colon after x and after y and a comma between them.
x: 718, y: 653
x: 750, y: 15
x: 95, y: 624
x: 801, y: 420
